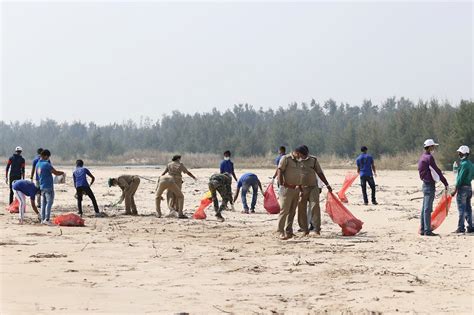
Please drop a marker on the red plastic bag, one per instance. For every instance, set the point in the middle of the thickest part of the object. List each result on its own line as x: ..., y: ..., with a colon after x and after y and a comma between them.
x: 270, y: 201
x: 200, y: 214
x: 441, y: 212
x: 14, y: 207
x: 70, y: 219
x: 350, y: 178
x: 339, y: 214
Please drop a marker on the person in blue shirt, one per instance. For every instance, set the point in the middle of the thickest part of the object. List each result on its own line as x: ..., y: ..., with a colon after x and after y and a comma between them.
x: 366, y: 170
x: 227, y: 166
x: 33, y: 171
x: 82, y: 186
x: 281, y: 153
x: 45, y: 172
x: 23, y: 188
x: 245, y: 182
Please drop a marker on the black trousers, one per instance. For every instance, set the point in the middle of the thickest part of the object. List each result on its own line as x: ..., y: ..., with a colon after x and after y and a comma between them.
x: 363, y: 182
x: 88, y: 191
x: 12, y: 179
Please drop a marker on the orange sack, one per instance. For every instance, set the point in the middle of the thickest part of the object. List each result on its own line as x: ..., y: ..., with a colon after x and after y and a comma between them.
x: 200, y: 214
x: 14, y: 207
x: 441, y: 212
x: 340, y: 215
x: 70, y: 219
x: 350, y: 178
x: 270, y: 201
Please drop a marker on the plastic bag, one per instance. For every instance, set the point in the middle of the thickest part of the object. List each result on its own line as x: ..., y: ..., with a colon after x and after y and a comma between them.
x: 70, y: 219
x: 14, y: 207
x: 339, y: 214
x: 350, y: 178
x: 441, y: 212
x: 206, y: 200
x: 270, y: 201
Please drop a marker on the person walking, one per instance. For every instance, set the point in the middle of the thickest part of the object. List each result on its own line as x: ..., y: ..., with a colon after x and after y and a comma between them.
x: 220, y: 183
x: 175, y: 168
x: 82, y: 186
x: 129, y: 185
x: 246, y: 181
x: 463, y: 190
x: 429, y: 174
x: 15, y: 170
x: 366, y: 170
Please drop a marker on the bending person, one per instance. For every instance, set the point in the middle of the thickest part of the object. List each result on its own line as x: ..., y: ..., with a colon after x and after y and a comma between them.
x: 168, y: 183
x: 129, y: 185
x: 220, y: 183
x: 245, y: 182
x: 21, y: 189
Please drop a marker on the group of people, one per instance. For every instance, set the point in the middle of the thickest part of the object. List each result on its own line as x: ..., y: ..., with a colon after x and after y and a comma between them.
x: 299, y: 176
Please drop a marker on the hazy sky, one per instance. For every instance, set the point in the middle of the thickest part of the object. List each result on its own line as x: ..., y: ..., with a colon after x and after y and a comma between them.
x: 111, y: 61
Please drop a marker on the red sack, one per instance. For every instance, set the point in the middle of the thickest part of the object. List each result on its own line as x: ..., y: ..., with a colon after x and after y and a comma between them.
x: 200, y: 214
x: 441, y: 211
x: 339, y: 214
x: 70, y: 219
x: 14, y: 207
x: 270, y: 201
x: 350, y: 178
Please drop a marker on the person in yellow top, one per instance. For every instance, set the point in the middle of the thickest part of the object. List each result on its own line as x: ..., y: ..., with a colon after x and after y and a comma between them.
x: 175, y: 169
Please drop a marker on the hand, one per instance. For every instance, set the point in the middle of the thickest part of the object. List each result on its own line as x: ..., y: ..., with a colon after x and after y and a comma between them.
x: 453, y: 193
x: 446, y: 188
x: 329, y: 188
x: 375, y: 174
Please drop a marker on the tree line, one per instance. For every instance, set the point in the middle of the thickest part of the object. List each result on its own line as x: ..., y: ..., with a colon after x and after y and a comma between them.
x: 396, y: 125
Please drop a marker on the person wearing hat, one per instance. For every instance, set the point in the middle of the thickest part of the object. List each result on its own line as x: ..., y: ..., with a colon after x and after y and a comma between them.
x: 366, y: 170
x: 15, y: 170
x: 220, y: 183
x: 429, y: 174
x: 289, y: 178
x: 23, y: 188
x: 175, y: 168
x: 463, y: 190
x: 168, y: 182
x: 309, y: 195
x: 129, y: 185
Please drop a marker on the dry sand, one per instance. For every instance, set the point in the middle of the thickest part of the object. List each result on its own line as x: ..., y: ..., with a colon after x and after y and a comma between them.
x: 131, y: 265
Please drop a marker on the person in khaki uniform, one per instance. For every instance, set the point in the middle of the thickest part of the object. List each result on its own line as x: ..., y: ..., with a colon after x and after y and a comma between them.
x: 129, y: 185
x: 175, y: 168
x: 168, y: 182
x: 310, y: 170
x: 289, y: 178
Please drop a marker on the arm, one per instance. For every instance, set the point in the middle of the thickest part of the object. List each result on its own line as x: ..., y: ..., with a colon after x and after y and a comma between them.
x: 233, y: 174
x: 437, y: 170
x: 23, y: 169
x: 33, y: 205
x: 165, y: 171
x: 123, y: 184
x: 461, y: 175
x: 33, y: 168
x: 190, y: 175
x: 280, y: 178
x: 92, y: 178
x: 236, y: 194
x: 325, y: 181
x: 74, y: 179
x: 8, y: 168
x: 55, y: 172
x: 373, y: 168
x: 358, y: 165
x: 261, y: 188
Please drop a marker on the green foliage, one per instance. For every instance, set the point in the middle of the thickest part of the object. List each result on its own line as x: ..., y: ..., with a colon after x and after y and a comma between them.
x: 397, y: 125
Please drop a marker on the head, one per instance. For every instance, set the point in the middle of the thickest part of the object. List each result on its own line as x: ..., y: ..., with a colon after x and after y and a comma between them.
x: 112, y: 182
x: 227, y: 155
x: 363, y: 149
x: 79, y: 163
x: 18, y: 150
x: 463, y: 152
x: 45, y: 154
x: 282, y: 150
x: 301, y: 152
x: 39, y: 151
x: 176, y: 158
x: 429, y: 145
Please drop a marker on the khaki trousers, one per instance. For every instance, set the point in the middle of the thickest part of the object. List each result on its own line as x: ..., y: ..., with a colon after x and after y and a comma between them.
x: 171, y: 198
x: 288, y: 203
x: 311, y: 195
x: 130, y: 196
x: 170, y: 185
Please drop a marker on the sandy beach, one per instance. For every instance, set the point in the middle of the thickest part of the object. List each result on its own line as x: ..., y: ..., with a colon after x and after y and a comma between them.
x: 133, y: 265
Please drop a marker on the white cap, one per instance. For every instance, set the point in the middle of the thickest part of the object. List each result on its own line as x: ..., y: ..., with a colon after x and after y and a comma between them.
x: 464, y: 149
x: 429, y: 143
x: 18, y: 149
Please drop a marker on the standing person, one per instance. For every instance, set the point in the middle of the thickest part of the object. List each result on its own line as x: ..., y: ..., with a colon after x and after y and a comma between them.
x: 281, y: 153
x: 175, y: 168
x: 168, y: 182
x: 429, y: 172
x: 220, y: 183
x: 245, y: 182
x: 310, y: 171
x: 79, y: 177
x: 45, y: 172
x: 464, y: 190
x: 129, y: 185
x: 227, y: 166
x: 289, y: 179
x: 35, y: 176
x: 366, y: 170
x: 23, y: 188
x: 16, y: 170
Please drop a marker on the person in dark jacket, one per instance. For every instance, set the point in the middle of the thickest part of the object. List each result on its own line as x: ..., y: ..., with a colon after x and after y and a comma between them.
x: 15, y: 170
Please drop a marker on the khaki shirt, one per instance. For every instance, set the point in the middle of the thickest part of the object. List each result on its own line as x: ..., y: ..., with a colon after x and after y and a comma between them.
x: 176, y: 169
x: 309, y: 168
x: 290, y: 169
x: 125, y: 180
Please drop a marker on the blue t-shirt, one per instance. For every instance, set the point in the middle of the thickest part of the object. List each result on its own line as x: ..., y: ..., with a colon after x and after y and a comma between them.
x: 80, y: 177
x: 278, y: 158
x: 364, y: 162
x: 227, y: 167
x: 26, y: 187
x: 44, y: 172
x: 35, y: 162
x: 247, y: 177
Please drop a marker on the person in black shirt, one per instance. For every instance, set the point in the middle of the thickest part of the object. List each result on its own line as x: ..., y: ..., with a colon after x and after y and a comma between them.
x: 15, y: 168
